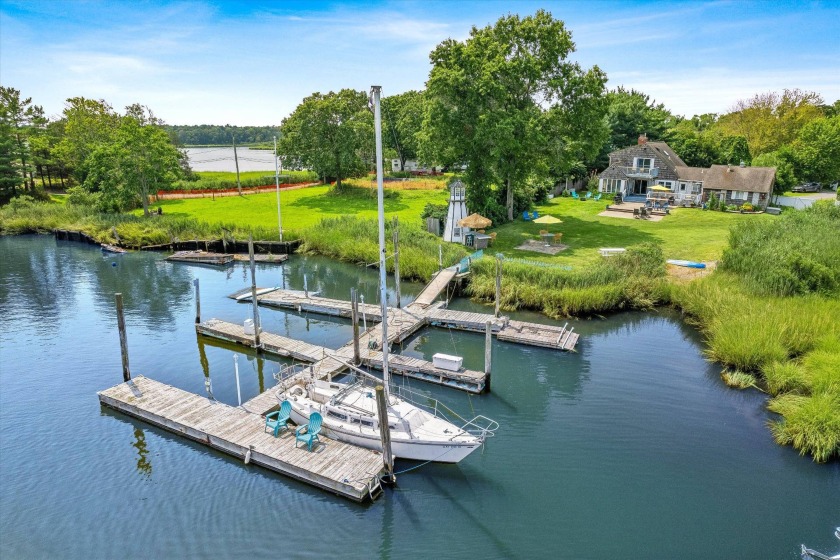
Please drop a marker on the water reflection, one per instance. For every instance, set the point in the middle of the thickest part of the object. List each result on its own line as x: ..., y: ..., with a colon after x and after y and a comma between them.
x: 144, y: 465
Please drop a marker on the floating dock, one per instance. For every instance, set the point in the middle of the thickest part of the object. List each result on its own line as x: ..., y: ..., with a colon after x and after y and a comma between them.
x: 347, y: 470
x: 202, y: 257
x: 330, y: 362
x: 275, y: 259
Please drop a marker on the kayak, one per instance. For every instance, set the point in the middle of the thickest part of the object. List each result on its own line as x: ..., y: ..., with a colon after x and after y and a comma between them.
x: 689, y: 264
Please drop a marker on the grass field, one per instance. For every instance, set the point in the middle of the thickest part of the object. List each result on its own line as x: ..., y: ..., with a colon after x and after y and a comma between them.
x: 302, y: 208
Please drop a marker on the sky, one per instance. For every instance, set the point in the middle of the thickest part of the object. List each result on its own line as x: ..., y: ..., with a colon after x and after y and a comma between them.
x: 252, y: 62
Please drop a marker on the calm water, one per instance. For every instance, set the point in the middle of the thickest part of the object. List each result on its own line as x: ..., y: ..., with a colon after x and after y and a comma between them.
x: 631, y: 448
x: 221, y: 159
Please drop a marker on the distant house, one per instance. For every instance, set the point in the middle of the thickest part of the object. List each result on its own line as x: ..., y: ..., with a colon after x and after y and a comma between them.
x: 414, y: 167
x: 632, y: 171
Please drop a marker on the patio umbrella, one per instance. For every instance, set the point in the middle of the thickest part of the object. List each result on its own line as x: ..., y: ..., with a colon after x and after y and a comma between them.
x: 659, y: 188
x: 548, y: 219
x: 475, y: 221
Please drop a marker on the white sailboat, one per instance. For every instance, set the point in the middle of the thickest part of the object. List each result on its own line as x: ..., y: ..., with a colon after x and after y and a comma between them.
x: 349, y: 410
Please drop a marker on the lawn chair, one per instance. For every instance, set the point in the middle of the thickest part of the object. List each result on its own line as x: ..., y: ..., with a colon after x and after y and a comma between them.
x: 575, y: 195
x: 543, y: 231
x: 312, y: 430
x: 492, y: 237
x: 589, y: 195
x: 526, y: 216
x: 597, y: 197
x: 557, y: 238
x: 636, y: 213
x: 277, y: 420
x: 534, y: 215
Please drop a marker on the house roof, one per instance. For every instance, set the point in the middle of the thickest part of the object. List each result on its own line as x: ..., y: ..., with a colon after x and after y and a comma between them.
x: 731, y: 178
x: 667, y: 153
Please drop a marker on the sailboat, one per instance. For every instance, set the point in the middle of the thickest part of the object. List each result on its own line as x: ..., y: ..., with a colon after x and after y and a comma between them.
x: 349, y: 410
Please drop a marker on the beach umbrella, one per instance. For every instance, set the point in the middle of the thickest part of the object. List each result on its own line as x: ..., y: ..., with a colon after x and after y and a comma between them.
x: 475, y: 221
x: 548, y: 219
x: 660, y: 188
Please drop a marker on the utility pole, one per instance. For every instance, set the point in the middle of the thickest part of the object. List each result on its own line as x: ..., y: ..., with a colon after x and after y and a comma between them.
x: 236, y: 161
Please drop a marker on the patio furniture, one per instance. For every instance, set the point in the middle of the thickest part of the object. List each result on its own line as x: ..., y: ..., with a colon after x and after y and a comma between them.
x: 636, y: 213
x: 312, y: 430
x: 597, y: 197
x: 547, y: 238
x: 526, y: 216
x: 610, y: 251
x: 588, y: 195
x: 557, y: 238
x: 575, y: 195
x: 534, y: 215
x: 277, y: 420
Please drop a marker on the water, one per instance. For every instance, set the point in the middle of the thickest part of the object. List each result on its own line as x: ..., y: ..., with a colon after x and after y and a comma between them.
x: 221, y: 159
x: 630, y: 448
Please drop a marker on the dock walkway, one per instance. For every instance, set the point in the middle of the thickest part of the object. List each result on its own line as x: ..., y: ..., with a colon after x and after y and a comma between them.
x: 347, y: 470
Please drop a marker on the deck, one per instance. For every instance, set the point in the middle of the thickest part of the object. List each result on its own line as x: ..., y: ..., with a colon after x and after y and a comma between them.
x: 346, y: 470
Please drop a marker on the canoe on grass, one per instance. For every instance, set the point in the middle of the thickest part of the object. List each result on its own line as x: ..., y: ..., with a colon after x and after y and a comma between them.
x: 689, y: 264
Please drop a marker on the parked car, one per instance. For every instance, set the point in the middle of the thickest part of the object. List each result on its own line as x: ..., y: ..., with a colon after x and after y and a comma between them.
x: 807, y: 187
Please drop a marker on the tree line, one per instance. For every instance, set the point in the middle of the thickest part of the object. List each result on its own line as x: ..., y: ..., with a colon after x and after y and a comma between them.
x: 221, y: 135
x: 506, y: 108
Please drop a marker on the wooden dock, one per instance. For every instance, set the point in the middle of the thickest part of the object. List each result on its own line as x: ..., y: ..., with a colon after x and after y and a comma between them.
x: 434, y: 288
x: 201, y: 257
x: 328, y: 362
x: 346, y: 470
x: 274, y: 259
x: 402, y: 323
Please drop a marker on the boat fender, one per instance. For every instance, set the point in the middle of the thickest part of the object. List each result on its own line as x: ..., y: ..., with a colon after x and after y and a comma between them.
x: 248, y: 454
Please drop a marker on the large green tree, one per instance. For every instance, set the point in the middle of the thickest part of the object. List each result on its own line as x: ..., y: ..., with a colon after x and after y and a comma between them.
x: 330, y: 133
x: 503, y: 103
x: 139, y: 160
x: 20, y: 119
x: 631, y: 113
x: 817, y: 150
x: 402, y: 119
x: 88, y: 125
x: 771, y: 120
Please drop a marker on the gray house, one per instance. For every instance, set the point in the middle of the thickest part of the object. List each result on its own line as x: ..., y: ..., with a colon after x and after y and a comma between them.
x: 634, y: 170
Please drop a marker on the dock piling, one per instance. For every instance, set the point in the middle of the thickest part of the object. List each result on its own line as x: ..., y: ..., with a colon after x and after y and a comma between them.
x: 385, y: 435
x: 236, y: 373
x: 498, y: 285
x: 397, y: 259
x: 123, y: 340
x: 197, y: 302
x: 488, y: 352
x: 354, y: 309
x: 440, y: 257
x: 254, y: 293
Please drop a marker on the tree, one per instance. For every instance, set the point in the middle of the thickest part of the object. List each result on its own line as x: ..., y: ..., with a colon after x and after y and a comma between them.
x: 783, y: 161
x: 88, y: 124
x: 769, y: 121
x: 331, y: 133
x: 631, y: 113
x: 496, y: 101
x: 18, y: 117
x: 139, y: 160
x: 10, y: 178
x: 402, y: 119
x: 817, y: 150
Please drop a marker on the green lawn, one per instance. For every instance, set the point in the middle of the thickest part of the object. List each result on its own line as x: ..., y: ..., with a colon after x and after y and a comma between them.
x: 688, y: 233
x: 301, y: 208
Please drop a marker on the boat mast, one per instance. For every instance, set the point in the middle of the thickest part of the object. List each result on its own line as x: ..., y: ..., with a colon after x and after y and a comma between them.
x: 383, y: 291
x: 277, y: 184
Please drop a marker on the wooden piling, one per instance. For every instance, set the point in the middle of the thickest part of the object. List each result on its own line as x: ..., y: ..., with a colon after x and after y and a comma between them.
x: 488, y: 353
x: 397, y: 259
x: 197, y: 302
x: 254, y: 293
x: 123, y: 340
x: 498, y: 285
x: 357, y: 358
x: 385, y: 434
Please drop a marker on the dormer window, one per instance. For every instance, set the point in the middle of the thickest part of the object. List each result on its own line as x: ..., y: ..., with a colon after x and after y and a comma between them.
x: 643, y: 163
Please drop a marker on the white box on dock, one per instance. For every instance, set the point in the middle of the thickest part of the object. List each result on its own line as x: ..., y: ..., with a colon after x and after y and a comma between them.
x: 447, y: 362
x: 249, y: 327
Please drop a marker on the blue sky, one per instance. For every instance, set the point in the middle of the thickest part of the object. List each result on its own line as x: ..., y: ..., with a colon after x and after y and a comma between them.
x: 251, y: 63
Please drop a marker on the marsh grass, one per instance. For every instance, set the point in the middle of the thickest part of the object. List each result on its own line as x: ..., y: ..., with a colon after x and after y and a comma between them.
x: 634, y: 279
x: 738, y: 379
x: 810, y: 424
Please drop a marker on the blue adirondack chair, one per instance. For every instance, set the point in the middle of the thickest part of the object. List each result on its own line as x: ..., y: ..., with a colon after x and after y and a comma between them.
x: 588, y: 195
x: 526, y: 216
x: 575, y: 195
x: 534, y: 215
x: 276, y: 421
x: 312, y: 430
x: 597, y: 197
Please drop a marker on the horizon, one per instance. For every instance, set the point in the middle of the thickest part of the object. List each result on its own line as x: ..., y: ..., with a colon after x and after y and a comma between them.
x: 170, y: 56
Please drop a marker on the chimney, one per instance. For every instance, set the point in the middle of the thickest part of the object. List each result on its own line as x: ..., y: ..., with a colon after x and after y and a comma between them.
x: 642, y: 139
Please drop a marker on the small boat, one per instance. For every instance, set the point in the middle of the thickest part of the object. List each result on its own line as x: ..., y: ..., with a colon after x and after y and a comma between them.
x: 808, y: 554
x: 112, y: 249
x: 689, y: 264
x: 349, y: 412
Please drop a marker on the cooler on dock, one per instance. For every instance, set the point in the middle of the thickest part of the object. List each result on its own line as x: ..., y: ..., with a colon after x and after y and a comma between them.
x: 249, y: 327
x: 447, y: 362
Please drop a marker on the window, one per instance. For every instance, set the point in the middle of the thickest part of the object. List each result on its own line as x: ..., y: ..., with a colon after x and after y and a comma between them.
x: 739, y: 195
x: 644, y: 163
x: 611, y: 185
x: 682, y: 186
x: 456, y: 232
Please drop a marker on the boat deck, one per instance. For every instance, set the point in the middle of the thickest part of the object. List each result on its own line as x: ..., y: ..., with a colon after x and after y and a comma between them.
x: 347, y: 470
